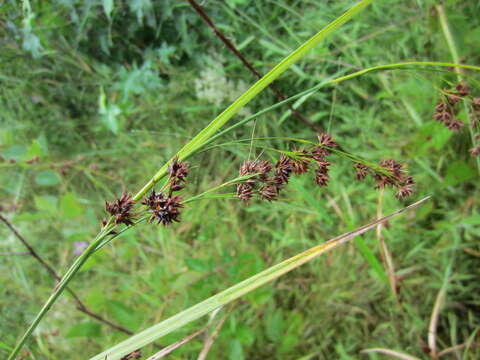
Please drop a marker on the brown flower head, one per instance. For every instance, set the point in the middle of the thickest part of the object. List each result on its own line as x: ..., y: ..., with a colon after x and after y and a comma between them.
x: 362, y: 171
x: 476, y: 103
x: 321, y: 178
x: 121, y: 209
x: 406, y: 188
x: 248, y: 168
x: 394, y: 174
x: 475, y: 151
x: 269, y: 192
x: 442, y: 116
x: 321, y: 174
x: 164, y: 209
x: 300, y: 164
x: 326, y: 143
x: 178, y: 171
x: 245, y: 192
x: 283, y: 170
x: 455, y: 125
x: 462, y: 89
x: 263, y: 168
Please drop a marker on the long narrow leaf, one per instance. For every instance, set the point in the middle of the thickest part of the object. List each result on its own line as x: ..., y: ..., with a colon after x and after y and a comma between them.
x: 167, y: 326
x: 261, y: 84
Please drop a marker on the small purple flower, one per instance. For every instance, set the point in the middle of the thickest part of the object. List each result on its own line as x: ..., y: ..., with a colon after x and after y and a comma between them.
x: 79, y: 247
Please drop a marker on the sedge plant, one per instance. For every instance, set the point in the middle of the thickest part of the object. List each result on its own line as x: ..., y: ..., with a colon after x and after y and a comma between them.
x: 199, y: 143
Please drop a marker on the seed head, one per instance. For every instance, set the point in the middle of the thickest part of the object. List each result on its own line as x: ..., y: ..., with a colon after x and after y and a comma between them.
x: 164, y: 209
x: 248, y: 168
x: 178, y: 171
x: 263, y: 168
x: 406, y: 188
x: 321, y: 178
x: 362, y: 171
x: 443, y: 116
x: 462, y: 89
x: 283, y: 170
x: 121, y: 209
x: 245, y: 192
x: 455, y: 125
x: 325, y: 141
x: 269, y: 192
x: 300, y: 164
x: 475, y: 151
x: 476, y: 103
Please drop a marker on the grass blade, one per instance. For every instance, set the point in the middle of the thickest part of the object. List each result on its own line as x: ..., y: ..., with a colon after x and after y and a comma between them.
x: 260, y: 85
x: 151, y: 334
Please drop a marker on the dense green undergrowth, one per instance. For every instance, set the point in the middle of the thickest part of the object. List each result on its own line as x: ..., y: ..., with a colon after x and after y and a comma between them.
x: 94, y: 99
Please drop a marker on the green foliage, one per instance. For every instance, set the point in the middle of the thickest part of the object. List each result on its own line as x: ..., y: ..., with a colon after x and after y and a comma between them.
x: 104, y: 92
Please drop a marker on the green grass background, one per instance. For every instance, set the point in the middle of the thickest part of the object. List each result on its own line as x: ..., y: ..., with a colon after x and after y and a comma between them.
x: 104, y: 98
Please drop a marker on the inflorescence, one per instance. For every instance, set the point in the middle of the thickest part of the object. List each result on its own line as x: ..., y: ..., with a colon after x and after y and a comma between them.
x: 267, y: 181
x: 164, y: 207
x: 448, y: 107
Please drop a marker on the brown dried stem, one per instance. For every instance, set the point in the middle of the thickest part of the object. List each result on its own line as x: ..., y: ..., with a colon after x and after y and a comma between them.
x: 198, y: 8
x: 80, y: 304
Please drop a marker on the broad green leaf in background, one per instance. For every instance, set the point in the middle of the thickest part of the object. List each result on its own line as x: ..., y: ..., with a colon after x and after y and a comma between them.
x: 108, y: 8
x: 47, y: 178
x: 70, y: 207
x: 85, y: 329
x: 459, y: 172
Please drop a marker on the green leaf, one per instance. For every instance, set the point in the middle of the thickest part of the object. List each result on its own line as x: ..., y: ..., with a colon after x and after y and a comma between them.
x: 16, y: 152
x: 46, y: 203
x: 197, y: 265
x: 275, y: 326
x: 47, y: 178
x: 108, y: 8
x: 459, y: 172
x: 70, y: 207
x: 123, y: 314
x: 85, y: 329
x: 236, y: 351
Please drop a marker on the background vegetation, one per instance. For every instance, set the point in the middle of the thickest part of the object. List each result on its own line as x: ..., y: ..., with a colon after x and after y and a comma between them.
x: 96, y: 95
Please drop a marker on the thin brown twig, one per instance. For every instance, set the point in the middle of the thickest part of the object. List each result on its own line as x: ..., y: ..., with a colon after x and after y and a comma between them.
x: 211, y: 339
x: 385, y: 253
x: 198, y: 8
x: 80, y: 305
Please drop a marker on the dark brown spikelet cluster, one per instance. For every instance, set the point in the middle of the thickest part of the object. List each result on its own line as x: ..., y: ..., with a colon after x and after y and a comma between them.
x: 178, y: 173
x: 121, y: 209
x: 274, y: 179
x: 166, y: 209
x: 447, y: 108
x: 390, y: 174
x: 261, y: 168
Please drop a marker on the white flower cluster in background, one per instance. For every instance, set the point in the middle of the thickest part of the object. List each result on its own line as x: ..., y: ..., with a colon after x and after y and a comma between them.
x: 213, y: 87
